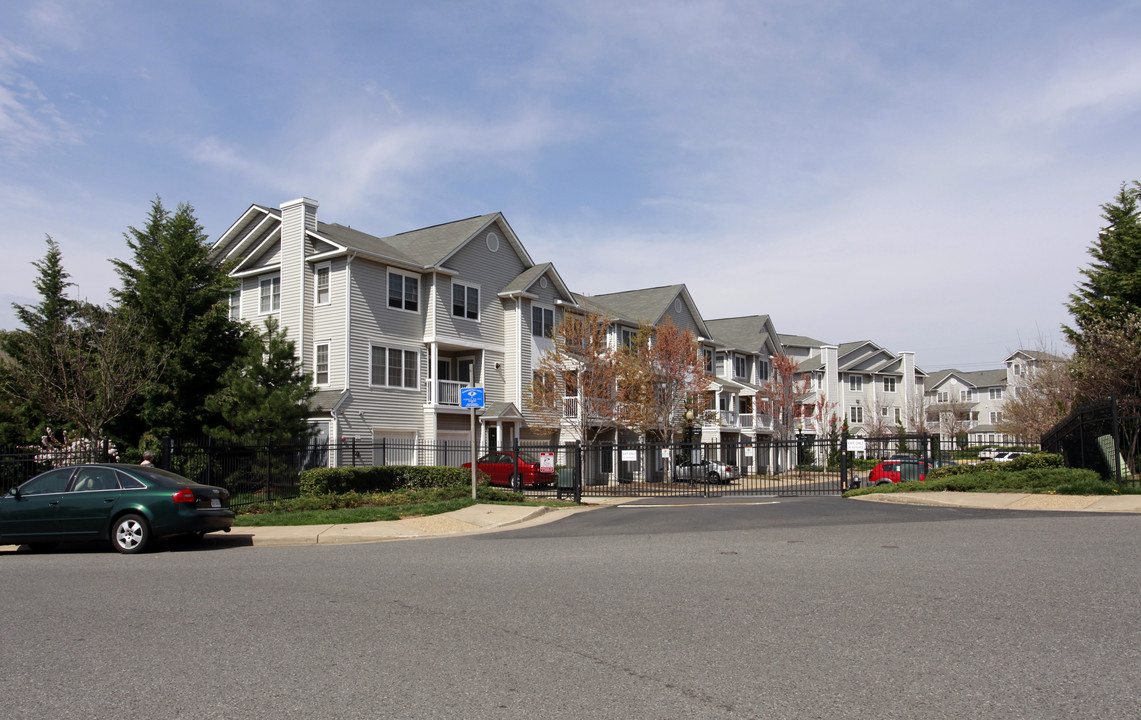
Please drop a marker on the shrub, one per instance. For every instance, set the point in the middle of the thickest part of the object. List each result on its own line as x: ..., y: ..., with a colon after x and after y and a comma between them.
x: 383, y: 478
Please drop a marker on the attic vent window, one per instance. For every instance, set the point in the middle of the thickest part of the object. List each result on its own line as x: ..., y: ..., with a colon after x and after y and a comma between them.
x: 677, y: 304
x: 543, y: 282
x: 493, y: 242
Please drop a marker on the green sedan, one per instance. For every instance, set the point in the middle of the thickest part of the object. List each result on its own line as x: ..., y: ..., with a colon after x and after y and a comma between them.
x: 130, y: 505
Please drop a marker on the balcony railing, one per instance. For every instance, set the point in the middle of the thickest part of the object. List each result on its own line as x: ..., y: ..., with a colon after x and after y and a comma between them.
x: 570, y: 407
x: 449, y: 392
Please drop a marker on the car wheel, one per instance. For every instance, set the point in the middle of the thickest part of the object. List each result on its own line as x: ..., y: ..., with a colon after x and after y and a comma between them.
x: 883, y: 482
x: 515, y: 482
x: 130, y: 534
x: 713, y: 477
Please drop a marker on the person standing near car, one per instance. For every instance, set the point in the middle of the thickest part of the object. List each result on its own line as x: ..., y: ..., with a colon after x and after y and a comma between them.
x: 148, y: 459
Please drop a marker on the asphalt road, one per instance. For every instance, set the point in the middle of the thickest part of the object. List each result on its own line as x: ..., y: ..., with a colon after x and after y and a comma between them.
x: 739, y: 608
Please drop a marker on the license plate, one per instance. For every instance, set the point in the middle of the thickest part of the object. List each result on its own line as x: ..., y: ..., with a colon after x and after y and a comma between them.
x: 215, y: 502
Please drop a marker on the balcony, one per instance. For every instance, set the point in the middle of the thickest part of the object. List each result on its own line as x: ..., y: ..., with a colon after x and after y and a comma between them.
x: 448, y: 392
x: 570, y: 406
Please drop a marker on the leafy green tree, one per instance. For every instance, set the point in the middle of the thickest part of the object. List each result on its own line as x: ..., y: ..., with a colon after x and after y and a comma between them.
x: 181, y: 299
x: 1112, y: 284
x: 265, y: 395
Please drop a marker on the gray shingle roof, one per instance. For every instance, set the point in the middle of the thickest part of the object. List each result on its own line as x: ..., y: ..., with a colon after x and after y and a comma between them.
x: 425, y: 247
x: 633, y: 306
x: 744, y: 333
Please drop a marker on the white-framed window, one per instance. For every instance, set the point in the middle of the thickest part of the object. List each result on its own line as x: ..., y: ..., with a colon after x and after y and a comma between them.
x: 1018, y: 369
x: 708, y: 356
x: 763, y: 370
x: 995, y: 417
x: 899, y: 415
x: 394, y: 367
x: 883, y: 412
x: 966, y: 395
x: 855, y: 383
x: 269, y: 295
x: 856, y: 414
x: 944, y: 396
x: 542, y: 321
x: 996, y: 393
x: 236, y: 304
x: 889, y: 384
x: 740, y: 367
x: 321, y: 275
x: 321, y: 363
x: 403, y: 291
x: 626, y: 337
x: 465, y: 301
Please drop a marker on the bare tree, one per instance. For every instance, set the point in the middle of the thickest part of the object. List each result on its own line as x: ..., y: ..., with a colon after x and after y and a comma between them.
x: 783, y: 395
x: 660, y: 374
x: 1039, y: 399
x: 85, y: 372
x: 575, y: 382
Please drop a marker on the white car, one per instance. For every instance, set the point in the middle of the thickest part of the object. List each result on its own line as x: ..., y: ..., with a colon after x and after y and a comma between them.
x: 1007, y: 456
x: 706, y: 470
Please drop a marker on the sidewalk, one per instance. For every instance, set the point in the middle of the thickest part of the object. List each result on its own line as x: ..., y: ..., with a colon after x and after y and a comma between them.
x: 1015, y: 501
x: 471, y: 520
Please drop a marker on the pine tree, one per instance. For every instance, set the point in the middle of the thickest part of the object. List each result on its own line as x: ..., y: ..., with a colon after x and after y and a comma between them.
x: 181, y: 298
x: 265, y: 395
x: 1112, y: 285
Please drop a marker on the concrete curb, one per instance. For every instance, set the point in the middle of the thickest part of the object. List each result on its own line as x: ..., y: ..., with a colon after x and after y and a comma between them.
x: 1014, y: 501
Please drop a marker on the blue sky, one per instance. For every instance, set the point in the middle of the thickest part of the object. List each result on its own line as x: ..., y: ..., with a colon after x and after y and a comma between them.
x: 925, y: 175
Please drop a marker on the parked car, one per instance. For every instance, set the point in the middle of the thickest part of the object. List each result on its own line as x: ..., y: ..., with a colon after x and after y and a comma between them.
x: 503, y: 468
x: 129, y: 505
x: 705, y: 470
x: 1007, y: 456
x: 893, y: 471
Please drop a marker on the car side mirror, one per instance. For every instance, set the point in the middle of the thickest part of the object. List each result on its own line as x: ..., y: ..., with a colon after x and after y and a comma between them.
x: 14, y: 492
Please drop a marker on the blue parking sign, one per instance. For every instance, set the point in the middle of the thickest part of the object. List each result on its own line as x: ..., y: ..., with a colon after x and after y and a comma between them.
x: 471, y: 397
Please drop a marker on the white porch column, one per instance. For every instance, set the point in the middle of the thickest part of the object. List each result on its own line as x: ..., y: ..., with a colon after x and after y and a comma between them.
x: 433, y: 373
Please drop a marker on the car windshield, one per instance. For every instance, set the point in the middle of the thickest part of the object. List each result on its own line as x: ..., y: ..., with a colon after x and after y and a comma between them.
x: 531, y: 459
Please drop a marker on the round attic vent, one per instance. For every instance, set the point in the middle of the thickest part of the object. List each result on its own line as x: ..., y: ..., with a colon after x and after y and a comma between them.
x: 493, y: 242
x: 543, y: 282
x: 677, y: 304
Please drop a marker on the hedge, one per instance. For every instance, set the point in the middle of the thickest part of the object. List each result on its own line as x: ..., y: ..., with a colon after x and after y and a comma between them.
x: 383, y: 478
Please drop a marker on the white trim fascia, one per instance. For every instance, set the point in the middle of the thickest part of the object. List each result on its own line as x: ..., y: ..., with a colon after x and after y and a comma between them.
x: 331, y: 255
x: 517, y: 294
x: 266, y: 270
x: 255, y: 232
x: 274, y: 236
x: 507, y: 232
x: 464, y: 342
x: 225, y: 237
x: 349, y: 321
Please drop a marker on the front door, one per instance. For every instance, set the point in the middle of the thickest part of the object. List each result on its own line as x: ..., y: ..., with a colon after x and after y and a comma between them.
x: 492, y: 438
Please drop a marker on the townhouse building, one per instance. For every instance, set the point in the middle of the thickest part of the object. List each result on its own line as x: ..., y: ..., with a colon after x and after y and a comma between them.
x: 874, y: 389
x: 391, y: 328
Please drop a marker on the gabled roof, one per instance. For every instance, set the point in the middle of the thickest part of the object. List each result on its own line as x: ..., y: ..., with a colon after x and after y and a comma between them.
x: 800, y: 341
x: 1033, y: 355
x: 975, y: 379
x: 426, y: 248
x: 751, y: 333
x: 523, y: 282
x: 646, y: 306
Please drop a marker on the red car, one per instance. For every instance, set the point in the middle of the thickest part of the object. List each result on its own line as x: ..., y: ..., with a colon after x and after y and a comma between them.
x: 505, y: 469
x: 893, y: 471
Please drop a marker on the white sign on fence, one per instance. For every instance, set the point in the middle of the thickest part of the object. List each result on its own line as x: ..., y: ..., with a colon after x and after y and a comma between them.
x: 629, y: 456
x: 749, y: 451
x: 857, y: 445
x: 546, y: 462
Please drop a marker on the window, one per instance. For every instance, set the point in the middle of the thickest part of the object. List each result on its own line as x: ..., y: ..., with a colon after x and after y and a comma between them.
x: 883, y: 411
x: 465, y: 301
x: 321, y: 364
x: 236, y: 304
x: 321, y: 284
x: 996, y: 393
x: 403, y: 291
x: 763, y: 370
x: 270, y: 295
x: 1019, y: 369
x: 898, y: 415
x: 542, y: 321
x: 856, y: 383
x: 740, y: 367
x: 626, y: 337
x: 967, y: 395
x: 995, y: 418
x: 889, y: 384
x: 944, y: 396
x: 708, y: 355
x: 394, y: 367
x: 856, y: 414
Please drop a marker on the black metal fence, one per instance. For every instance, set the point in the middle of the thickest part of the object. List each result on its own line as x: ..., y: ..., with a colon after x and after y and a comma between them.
x: 1102, y: 436
x: 802, y: 466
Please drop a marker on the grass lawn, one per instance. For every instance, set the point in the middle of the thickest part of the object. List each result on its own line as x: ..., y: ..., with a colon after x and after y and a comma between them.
x: 349, y: 508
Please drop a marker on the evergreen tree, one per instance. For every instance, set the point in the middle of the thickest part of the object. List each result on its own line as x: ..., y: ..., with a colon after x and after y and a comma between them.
x: 1112, y: 285
x: 265, y: 395
x: 181, y: 299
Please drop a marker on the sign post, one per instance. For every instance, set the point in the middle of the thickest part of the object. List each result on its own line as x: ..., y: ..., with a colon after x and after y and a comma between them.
x: 472, y: 398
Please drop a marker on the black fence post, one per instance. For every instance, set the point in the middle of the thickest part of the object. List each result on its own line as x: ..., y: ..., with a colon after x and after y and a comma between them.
x: 166, y: 452
x: 268, y: 468
x: 845, y: 482
x: 577, y: 471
